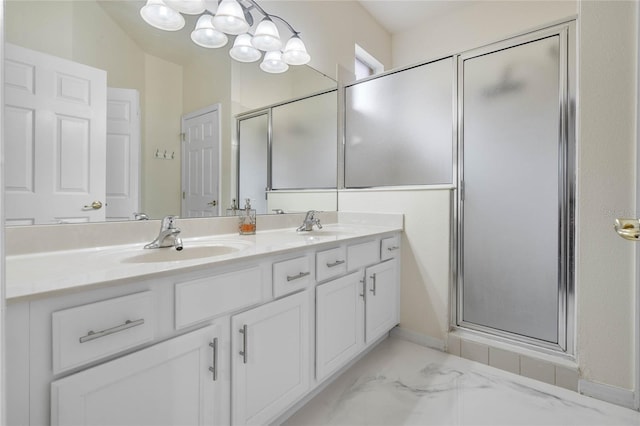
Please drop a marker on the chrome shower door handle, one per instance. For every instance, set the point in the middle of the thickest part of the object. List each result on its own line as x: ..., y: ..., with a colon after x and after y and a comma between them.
x: 629, y: 229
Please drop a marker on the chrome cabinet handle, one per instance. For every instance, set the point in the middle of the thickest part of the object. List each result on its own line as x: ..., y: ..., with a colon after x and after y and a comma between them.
x: 393, y: 248
x: 297, y: 277
x: 92, y: 335
x: 96, y: 205
x: 334, y: 264
x: 214, y: 367
x: 243, y: 352
x: 373, y: 285
x: 364, y: 286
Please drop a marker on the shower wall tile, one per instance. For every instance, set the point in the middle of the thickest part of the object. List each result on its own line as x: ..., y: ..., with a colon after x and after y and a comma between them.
x: 474, y: 351
x: 504, y: 360
x: 567, y: 378
x: 536, y: 369
x: 453, y: 345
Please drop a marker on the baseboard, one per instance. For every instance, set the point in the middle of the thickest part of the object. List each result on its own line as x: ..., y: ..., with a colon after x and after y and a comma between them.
x: 420, y: 339
x: 608, y: 393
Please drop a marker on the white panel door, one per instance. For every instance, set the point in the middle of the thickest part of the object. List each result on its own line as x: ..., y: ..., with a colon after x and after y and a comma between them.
x: 167, y: 384
x: 269, y: 358
x: 201, y: 162
x: 381, y: 313
x: 339, y: 323
x: 55, y: 133
x: 123, y: 154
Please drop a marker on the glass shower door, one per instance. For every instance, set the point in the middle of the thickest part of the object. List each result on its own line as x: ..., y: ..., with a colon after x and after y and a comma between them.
x: 513, y: 195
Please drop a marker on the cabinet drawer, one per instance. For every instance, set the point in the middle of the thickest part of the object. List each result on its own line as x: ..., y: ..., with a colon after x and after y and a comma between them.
x: 389, y: 247
x: 205, y: 298
x: 90, y: 332
x: 363, y: 254
x: 291, y: 275
x: 331, y: 263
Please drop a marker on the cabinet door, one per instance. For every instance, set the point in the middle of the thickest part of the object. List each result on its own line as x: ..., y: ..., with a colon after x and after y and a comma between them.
x: 381, y: 299
x: 339, y: 323
x: 167, y: 384
x: 270, y: 359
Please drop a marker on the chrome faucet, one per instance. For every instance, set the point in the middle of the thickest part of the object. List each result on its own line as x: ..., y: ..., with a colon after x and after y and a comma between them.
x: 168, y: 235
x: 140, y: 216
x: 309, y: 220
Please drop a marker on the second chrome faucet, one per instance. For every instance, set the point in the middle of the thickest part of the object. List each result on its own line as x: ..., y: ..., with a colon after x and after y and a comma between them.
x: 168, y: 235
x: 309, y: 220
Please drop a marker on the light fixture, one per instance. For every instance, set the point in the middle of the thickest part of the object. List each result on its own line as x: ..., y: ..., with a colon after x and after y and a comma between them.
x: 267, y: 37
x: 230, y: 18
x: 234, y: 17
x: 157, y: 14
x: 190, y: 7
x: 295, y: 53
x: 206, y: 35
x: 243, y: 50
x: 273, y: 63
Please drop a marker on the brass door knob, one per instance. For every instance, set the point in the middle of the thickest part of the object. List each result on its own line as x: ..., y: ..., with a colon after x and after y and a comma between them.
x: 629, y: 229
x: 96, y: 205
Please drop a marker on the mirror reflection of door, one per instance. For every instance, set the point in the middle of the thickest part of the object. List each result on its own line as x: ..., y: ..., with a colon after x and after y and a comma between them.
x: 201, y: 162
x: 123, y: 154
x: 55, y: 133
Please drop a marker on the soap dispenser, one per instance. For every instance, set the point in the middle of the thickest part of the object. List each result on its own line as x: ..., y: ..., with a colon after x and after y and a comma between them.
x: 247, y: 225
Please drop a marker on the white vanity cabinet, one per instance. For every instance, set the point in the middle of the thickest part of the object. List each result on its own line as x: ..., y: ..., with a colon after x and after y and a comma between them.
x: 176, y: 382
x: 270, y: 359
x: 239, y: 342
x: 381, y: 295
x: 339, y: 323
x: 356, y: 310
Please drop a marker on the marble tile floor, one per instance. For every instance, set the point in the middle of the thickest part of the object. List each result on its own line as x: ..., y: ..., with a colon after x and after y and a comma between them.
x: 401, y: 383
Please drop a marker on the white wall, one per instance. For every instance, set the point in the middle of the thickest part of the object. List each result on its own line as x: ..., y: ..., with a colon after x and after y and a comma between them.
x: 330, y: 30
x: 480, y: 23
x: 606, y: 188
x: 424, y: 294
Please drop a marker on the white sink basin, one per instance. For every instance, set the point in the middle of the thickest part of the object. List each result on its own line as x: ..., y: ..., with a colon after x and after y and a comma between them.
x: 189, y: 252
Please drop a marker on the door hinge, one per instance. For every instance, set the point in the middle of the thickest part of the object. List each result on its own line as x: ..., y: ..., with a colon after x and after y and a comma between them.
x: 184, y: 195
x: 462, y: 190
x: 183, y: 136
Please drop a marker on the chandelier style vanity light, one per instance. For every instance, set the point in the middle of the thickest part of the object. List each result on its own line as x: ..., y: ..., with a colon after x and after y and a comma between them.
x: 231, y: 17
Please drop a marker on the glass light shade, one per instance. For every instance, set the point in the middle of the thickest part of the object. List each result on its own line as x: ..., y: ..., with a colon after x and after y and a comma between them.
x: 230, y: 18
x: 273, y: 63
x: 243, y: 50
x: 190, y: 7
x: 295, y: 53
x: 159, y: 15
x: 266, y: 36
x: 206, y: 35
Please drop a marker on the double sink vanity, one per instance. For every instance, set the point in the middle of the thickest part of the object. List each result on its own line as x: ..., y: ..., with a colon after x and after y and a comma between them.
x: 229, y: 330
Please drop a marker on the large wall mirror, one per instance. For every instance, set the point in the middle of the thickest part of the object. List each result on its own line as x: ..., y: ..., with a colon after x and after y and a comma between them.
x: 161, y: 90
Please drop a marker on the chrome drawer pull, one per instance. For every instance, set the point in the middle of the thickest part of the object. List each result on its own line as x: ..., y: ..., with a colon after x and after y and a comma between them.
x: 297, y: 277
x: 243, y: 352
x: 214, y: 368
x: 92, y: 335
x: 334, y: 264
x: 393, y: 248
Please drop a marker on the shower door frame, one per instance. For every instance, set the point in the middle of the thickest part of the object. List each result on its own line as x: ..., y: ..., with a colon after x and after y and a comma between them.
x: 566, y: 191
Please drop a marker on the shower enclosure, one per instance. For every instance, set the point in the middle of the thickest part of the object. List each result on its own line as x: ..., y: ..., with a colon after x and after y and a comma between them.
x: 516, y: 189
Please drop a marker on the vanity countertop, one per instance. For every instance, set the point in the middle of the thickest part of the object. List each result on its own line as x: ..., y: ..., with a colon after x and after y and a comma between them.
x: 37, y: 274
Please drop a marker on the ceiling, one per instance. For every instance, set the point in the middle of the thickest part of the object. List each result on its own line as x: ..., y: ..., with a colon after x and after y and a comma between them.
x: 397, y: 16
